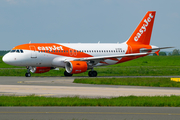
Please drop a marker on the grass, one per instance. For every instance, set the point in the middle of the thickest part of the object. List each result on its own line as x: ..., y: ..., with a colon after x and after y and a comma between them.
x: 107, y: 71
x: 152, y: 61
x: 153, y: 82
x: 149, y: 65
x: 163, y: 101
x: 145, y: 66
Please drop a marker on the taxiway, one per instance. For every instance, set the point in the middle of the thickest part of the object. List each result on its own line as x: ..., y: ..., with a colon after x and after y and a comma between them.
x: 64, y: 86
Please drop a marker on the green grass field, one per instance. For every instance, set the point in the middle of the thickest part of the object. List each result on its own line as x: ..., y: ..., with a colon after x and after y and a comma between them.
x: 149, y: 65
x: 152, y: 82
x: 145, y: 66
x: 160, y: 101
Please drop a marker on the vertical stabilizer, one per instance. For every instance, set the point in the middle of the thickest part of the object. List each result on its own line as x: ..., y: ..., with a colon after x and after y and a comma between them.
x: 142, y: 33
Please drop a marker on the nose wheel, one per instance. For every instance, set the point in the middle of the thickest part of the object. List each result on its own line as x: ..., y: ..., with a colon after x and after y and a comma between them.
x: 92, y: 73
x: 28, y: 74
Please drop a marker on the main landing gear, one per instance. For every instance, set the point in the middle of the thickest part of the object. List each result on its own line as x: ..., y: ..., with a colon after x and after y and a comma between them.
x: 28, y: 74
x: 92, y: 73
x: 67, y: 74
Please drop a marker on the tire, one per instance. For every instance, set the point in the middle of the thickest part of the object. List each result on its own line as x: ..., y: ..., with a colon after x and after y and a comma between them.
x: 92, y: 74
x: 28, y: 74
x: 67, y: 74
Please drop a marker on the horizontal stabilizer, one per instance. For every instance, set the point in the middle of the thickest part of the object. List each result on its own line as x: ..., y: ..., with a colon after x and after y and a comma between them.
x: 146, y: 50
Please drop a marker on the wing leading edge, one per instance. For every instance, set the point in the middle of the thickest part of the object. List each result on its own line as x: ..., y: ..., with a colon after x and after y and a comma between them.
x: 111, y: 56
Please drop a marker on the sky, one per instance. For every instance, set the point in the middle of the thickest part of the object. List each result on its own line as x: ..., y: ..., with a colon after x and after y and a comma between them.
x: 85, y: 21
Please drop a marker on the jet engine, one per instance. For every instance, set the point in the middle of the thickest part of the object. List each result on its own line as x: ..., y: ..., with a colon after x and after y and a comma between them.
x: 40, y: 69
x: 74, y: 67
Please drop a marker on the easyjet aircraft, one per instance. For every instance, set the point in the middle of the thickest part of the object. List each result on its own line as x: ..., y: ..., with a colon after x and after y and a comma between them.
x: 77, y: 57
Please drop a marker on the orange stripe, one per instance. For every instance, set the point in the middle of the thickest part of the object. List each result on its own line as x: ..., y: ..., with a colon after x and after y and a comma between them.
x: 51, y: 47
x: 134, y: 49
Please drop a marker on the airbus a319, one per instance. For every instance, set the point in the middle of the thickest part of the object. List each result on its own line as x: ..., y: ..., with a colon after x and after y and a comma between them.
x: 80, y: 57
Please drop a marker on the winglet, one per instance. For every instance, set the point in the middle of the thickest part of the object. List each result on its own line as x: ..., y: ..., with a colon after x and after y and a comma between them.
x: 142, y: 33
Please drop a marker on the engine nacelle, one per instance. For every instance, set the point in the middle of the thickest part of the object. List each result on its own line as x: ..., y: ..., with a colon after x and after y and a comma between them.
x: 74, y: 67
x: 40, y: 69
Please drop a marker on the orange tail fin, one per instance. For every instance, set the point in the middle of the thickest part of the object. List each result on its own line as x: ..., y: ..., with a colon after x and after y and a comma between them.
x: 142, y: 33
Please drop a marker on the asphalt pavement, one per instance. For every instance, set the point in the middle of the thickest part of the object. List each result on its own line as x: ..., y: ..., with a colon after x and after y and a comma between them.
x: 89, y: 113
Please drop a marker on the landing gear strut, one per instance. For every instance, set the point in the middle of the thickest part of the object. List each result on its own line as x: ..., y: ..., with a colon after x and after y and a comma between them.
x: 92, y: 73
x: 67, y: 74
x: 28, y: 74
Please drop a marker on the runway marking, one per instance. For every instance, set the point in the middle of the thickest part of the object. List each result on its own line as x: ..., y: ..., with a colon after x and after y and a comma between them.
x: 20, y: 82
x: 45, y: 95
x: 91, y: 113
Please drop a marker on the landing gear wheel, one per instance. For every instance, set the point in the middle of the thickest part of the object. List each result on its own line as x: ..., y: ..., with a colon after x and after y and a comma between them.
x: 28, y: 74
x: 67, y: 74
x: 92, y: 73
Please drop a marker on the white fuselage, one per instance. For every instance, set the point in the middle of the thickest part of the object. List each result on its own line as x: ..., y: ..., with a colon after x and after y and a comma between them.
x: 38, y: 58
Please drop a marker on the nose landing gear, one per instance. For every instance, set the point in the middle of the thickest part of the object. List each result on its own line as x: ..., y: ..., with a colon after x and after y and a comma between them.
x: 28, y: 74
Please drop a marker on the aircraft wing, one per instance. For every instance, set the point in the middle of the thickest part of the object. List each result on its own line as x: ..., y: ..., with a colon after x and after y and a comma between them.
x: 111, y: 56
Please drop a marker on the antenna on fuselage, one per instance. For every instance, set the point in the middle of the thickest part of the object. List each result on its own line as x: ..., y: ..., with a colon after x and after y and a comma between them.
x: 29, y: 42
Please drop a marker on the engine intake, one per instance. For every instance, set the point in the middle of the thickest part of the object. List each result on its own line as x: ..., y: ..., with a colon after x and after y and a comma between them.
x: 75, y: 67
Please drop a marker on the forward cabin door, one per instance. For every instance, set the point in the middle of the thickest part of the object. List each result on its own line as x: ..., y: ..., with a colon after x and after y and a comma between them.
x: 33, y: 52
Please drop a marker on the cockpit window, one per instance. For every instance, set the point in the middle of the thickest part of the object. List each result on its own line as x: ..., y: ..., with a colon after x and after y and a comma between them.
x: 21, y: 51
x: 13, y: 51
x: 17, y: 51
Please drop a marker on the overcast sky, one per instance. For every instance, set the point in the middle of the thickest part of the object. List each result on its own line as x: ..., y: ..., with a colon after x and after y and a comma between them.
x: 85, y: 21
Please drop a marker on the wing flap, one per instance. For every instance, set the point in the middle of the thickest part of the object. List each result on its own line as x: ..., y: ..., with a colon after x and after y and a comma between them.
x: 111, y: 56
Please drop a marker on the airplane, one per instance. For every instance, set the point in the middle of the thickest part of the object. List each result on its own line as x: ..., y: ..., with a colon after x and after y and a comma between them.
x: 80, y: 57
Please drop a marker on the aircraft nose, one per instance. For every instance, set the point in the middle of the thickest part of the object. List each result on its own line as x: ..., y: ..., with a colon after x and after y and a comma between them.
x: 6, y: 58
